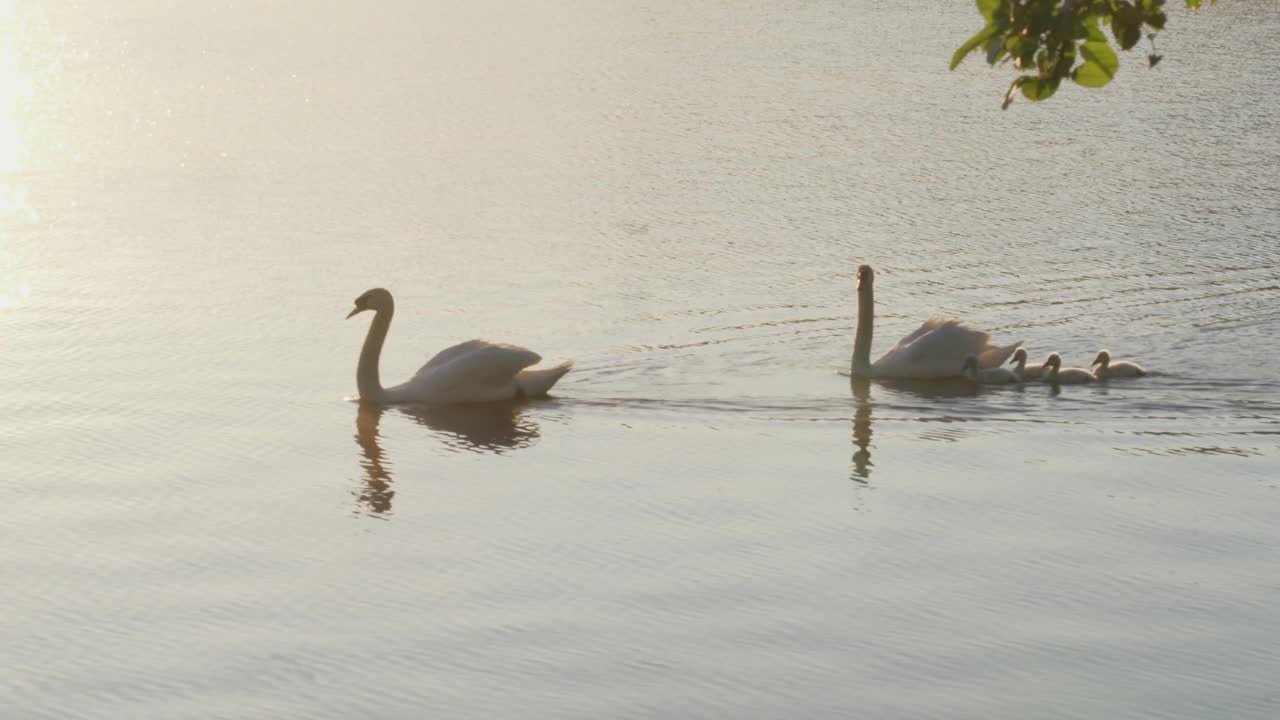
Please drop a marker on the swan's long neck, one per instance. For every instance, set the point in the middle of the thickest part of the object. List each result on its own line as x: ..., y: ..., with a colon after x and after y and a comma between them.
x: 861, y: 365
x: 367, y: 370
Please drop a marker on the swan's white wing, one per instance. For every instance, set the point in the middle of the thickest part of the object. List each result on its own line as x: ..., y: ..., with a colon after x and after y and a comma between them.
x: 477, y: 361
x: 536, y: 383
x: 936, y: 349
x: 993, y: 356
x: 926, y: 327
x: 452, y: 353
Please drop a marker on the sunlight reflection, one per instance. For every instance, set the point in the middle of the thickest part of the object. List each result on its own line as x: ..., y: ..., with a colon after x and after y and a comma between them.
x: 15, y: 290
x: 16, y: 91
x: 15, y: 296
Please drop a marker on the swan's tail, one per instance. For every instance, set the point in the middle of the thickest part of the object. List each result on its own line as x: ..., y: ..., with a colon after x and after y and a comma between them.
x: 536, y: 383
x: 994, y: 356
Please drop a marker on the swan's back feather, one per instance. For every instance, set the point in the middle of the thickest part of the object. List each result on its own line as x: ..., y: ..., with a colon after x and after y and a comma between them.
x: 935, y: 323
x: 498, y: 353
x: 536, y: 383
x: 995, y: 356
x: 937, y: 349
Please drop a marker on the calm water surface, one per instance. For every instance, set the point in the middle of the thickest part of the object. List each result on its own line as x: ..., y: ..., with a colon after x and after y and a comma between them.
x: 707, y: 520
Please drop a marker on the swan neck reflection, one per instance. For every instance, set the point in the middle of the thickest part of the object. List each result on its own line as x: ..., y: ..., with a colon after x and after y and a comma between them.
x: 480, y: 428
x: 861, y: 389
x: 376, y: 494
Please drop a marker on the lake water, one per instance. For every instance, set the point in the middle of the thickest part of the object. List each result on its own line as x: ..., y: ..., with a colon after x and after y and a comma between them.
x: 706, y: 520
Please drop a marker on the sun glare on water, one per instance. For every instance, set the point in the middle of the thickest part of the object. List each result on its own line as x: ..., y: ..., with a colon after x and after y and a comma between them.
x: 16, y: 91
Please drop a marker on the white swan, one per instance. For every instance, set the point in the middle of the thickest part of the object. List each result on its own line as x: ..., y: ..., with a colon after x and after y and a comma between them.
x: 1108, y: 370
x: 1053, y: 372
x: 473, y: 371
x: 987, y: 376
x: 935, y: 350
x: 1024, y: 373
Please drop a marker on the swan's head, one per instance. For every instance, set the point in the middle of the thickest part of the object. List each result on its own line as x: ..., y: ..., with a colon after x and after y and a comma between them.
x: 866, y: 277
x: 1103, y: 359
x: 1019, y: 357
x: 375, y: 299
x: 1053, y: 361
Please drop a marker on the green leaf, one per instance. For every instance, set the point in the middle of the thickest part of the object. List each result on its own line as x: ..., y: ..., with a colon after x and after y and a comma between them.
x: 1101, y: 54
x: 1126, y: 25
x: 972, y: 44
x: 1152, y: 12
x: 1095, y: 33
x: 1091, y: 75
x: 988, y: 8
x: 1013, y: 43
x: 1100, y: 64
x: 1039, y: 89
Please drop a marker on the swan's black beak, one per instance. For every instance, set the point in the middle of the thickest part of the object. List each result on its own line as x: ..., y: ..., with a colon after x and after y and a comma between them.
x: 353, y: 312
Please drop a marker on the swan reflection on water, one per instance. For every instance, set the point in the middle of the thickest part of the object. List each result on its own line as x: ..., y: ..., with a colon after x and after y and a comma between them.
x: 478, y: 428
x: 860, y: 388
